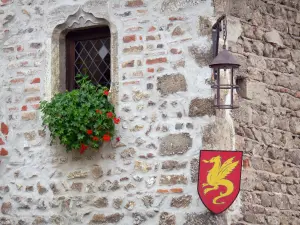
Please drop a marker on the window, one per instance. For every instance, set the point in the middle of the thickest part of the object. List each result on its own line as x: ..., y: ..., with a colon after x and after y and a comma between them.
x: 88, y: 52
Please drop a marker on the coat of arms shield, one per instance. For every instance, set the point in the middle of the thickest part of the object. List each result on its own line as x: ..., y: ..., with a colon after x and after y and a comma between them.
x: 219, y: 178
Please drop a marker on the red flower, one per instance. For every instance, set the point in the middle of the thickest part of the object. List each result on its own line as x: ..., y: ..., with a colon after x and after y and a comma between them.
x: 109, y: 115
x: 117, y: 120
x: 118, y: 139
x: 106, y: 137
x: 98, y: 111
x: 106, y: 92
x: 83, y: 148
x: 89, y: 132
x: 95, y: 138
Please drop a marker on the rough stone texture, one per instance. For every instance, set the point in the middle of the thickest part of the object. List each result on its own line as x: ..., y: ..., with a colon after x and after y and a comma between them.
x: 171, y: 165
x: 160, y: 52
x: 169, y: 84
x: 194, y: 170
x: 266, y: 123
x: 167, y: 219
x: 172, y: 180
x: 175, y: 144
x: 181, y: 202
x: 201, y: 107
x: 103, y: 219
x: 206, y: 218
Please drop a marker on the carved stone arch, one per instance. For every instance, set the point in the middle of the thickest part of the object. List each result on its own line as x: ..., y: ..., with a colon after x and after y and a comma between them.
x: 79, y: 20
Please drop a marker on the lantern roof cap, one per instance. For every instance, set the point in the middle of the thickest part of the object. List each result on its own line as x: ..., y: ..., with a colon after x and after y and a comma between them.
x: 224, y: 58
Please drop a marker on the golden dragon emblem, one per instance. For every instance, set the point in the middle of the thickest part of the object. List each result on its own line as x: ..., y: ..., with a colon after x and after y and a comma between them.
x: 216, y: 177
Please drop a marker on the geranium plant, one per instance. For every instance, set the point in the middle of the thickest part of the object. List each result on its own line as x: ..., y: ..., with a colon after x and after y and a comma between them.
x: 82, y: 118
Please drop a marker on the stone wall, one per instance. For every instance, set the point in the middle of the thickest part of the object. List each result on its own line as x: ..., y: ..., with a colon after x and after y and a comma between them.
x: 267, y: 124
x: 162, y: 94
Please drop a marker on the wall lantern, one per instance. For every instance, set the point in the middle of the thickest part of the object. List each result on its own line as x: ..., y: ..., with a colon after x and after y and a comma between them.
x: 224, y: 65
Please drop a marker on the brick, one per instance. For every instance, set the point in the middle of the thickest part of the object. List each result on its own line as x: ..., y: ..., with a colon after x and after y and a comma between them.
x: 134, y: 3
x: 36, y: 80
x: 151, y: 29
x: 156, y: 61
x: 1, y: 142
x: 129, y: 38
x: 28, y: 116
x: 133, y: 29
x: 20, y: 48
x: 128, y: 64
x: 176, y: 190
x: 246, y: 163
x: 142, y: 11
x: 162, y: 191
x: 134, y: 49
x: 4, y: 129
x: 150, y: 70
x: 176, y: 18
x: 3, y: 152
x: 17, y: 81
x: 32, y: 89
x: 6, y: 207
x: 135, y: 82
x: 175, y: 51
x: 153, y: 37
x: 35, y: 106
x: 178, y: 31
x: 33, y: 99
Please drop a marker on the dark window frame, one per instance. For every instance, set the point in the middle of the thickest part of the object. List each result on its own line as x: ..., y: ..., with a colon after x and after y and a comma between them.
x: 80, y: 35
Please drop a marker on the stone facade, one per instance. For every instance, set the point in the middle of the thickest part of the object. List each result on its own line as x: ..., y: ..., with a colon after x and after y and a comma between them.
x: 267, y: 123
x: 160, y: 54
x: 161, y: 90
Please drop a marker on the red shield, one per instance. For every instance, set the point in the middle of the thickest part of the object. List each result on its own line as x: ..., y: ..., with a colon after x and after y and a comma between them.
x: 219, y: 178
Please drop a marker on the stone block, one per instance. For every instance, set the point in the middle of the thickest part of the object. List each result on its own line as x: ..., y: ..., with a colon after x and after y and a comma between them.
x: 97, y: 172
x: 138, y: 218
x: 296, y: 55
x: 182, y: 201
x: 167, y: 219
x: 201, y: 107
x: 273, y: 37
x: 178, y: 31
x: 6, y: 207
x: 103, y: 219
x: 205, y: 218
x: 133, y: 49
x: 129, y: 38
x: 169, y: 84
x: 134, y: 3
x: 194, y: 170
x: 172, y: 180
x: 101, y: 202
x: 171, y: 165
x: 175, y: 144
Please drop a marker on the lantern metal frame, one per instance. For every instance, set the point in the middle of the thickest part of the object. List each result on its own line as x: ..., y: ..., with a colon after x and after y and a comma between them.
x: 223, y: 60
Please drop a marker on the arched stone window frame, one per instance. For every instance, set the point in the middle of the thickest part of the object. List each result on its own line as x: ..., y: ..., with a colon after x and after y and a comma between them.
x: 56, y: 72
